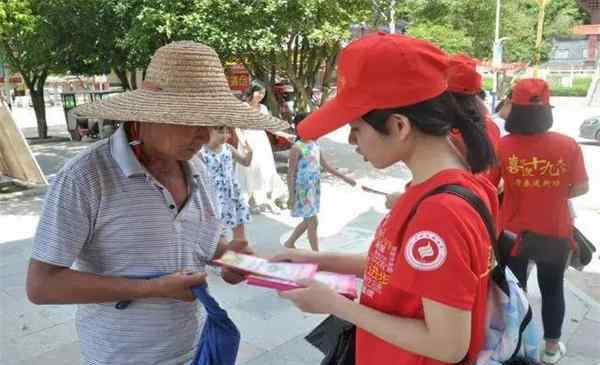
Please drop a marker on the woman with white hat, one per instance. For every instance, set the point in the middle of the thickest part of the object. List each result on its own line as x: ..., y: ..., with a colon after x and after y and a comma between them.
x: 138, y: 204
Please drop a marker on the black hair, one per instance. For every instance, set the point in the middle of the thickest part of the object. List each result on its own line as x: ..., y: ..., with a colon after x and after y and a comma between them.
x: 482, y: 95
x: 529, y: 119
x: 500, y: 106
x: 439, y: 115
x: 298, y: 118
x: 502, y: 102
x: 470, y: 106
x: 254, y: 87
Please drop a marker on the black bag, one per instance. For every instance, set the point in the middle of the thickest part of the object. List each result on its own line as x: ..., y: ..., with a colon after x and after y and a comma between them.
x: 542, y: 248
x: 335, y: 338
x: 585, y: 250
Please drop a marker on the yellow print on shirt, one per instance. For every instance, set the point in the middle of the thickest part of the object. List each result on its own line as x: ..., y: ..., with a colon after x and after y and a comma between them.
x: 536, y: 183
x: 381, y: 263
x: 536, y: 166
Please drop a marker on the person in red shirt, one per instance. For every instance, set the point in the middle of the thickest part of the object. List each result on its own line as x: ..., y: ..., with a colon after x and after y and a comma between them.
x: 464, y: 83
x: 425, y: 277
x: 541, y: 171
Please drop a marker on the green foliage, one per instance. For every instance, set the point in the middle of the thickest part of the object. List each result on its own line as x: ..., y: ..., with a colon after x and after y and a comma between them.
x: 449, y: 39
x: 29, y: 47
x: 471, y: 24
x: 579, y: 87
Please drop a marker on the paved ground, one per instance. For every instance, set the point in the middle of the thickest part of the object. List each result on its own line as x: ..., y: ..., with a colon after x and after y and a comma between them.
x: 272, y: 330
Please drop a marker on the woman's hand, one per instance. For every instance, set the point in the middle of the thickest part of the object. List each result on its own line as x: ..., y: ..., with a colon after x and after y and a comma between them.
x: 349, y: 180
x: 313, y: 297
x: 296, y: 255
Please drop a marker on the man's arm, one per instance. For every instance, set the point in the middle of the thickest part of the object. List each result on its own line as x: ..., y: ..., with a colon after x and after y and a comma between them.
x: 52, y: 284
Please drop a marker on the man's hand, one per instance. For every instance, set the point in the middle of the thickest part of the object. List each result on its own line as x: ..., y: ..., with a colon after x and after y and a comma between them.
x: 178, y: 285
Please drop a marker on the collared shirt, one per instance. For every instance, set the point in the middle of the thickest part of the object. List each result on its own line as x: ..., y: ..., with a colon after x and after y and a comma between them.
x: 105, y: 214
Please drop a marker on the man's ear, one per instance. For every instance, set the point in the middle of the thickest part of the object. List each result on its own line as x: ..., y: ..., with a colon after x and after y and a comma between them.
x: 399, y: 126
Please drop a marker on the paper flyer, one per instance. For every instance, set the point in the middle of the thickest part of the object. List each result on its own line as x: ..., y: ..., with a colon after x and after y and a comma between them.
x: 259, y: 266
x: 343, y: 284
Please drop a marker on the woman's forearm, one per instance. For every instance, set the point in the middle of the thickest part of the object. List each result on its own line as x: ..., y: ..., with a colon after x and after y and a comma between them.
x: 352, y: 264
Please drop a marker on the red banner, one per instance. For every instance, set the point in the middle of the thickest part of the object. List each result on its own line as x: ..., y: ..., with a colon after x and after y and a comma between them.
x: 237, y: 77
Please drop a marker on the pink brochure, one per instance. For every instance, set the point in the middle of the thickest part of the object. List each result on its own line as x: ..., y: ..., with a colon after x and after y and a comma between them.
x: 259, y: 266
x: 343, y: 284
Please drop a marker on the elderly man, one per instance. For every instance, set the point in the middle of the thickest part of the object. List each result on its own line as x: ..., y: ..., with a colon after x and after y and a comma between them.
x: 140, y: 204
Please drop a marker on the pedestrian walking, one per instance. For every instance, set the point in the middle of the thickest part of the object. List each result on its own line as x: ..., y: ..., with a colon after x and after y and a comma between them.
x: 260, y: 183
x: 541, y: 170
x: 304, y: 186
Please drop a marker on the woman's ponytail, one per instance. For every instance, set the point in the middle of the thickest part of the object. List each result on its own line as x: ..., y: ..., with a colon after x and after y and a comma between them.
x: 470, y: 123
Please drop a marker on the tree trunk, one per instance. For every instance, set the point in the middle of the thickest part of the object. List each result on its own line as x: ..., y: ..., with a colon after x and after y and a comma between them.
x: 326, y: 84
x: 37, y: 99
x: 122, y: 75
x: 133, y: 78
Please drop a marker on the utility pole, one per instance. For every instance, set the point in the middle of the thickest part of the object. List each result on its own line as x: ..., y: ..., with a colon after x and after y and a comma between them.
x: 392, y: 16
x: 540, y: 32
x: 497, y: 55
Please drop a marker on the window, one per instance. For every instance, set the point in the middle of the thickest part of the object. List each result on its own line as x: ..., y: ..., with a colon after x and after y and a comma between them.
x: 561, y: 54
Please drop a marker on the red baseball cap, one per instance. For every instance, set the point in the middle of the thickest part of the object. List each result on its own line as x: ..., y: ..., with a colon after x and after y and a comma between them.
x: 463, y: 77
x: 531, y: 92
x: 379, y: 71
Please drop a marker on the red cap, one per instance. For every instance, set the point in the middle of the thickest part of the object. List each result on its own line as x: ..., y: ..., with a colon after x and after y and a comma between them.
x: 379, y: 71
x: 463, y: 77
x: 531, y: 92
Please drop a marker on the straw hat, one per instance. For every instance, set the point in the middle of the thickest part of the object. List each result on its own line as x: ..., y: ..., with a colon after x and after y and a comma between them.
x: 185, y: 84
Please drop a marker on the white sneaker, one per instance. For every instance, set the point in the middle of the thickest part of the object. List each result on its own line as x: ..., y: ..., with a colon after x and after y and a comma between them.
x: 554, y: 357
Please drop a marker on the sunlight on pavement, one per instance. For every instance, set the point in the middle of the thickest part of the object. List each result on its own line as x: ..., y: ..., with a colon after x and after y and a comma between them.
x: 17, y: 227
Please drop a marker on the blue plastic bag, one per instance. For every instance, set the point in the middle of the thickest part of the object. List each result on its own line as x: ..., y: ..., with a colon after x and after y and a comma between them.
x: 220, y: 338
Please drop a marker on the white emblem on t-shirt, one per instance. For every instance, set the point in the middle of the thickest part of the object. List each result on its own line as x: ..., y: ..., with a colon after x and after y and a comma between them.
x: 425, y: 251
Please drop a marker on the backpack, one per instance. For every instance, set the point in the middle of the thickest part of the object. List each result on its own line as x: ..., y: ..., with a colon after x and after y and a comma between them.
x: 511, y: 338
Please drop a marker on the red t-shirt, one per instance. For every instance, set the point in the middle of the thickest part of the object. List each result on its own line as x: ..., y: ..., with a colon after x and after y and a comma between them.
x: 443, y: 255
x: 539, y: 171
x: 493, y: 133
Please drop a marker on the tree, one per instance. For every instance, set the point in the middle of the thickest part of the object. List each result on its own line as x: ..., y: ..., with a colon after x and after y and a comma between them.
x: 29, y: 48
x: 470, y: 24
x: 449, y: 39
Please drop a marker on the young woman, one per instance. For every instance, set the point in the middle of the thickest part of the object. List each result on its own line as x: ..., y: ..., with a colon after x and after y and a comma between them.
x: 425, y: 276
x: 260, y: 183
x: 542, y: 170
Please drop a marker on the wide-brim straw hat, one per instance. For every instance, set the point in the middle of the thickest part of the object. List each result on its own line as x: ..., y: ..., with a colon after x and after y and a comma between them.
x: 185, y: 84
